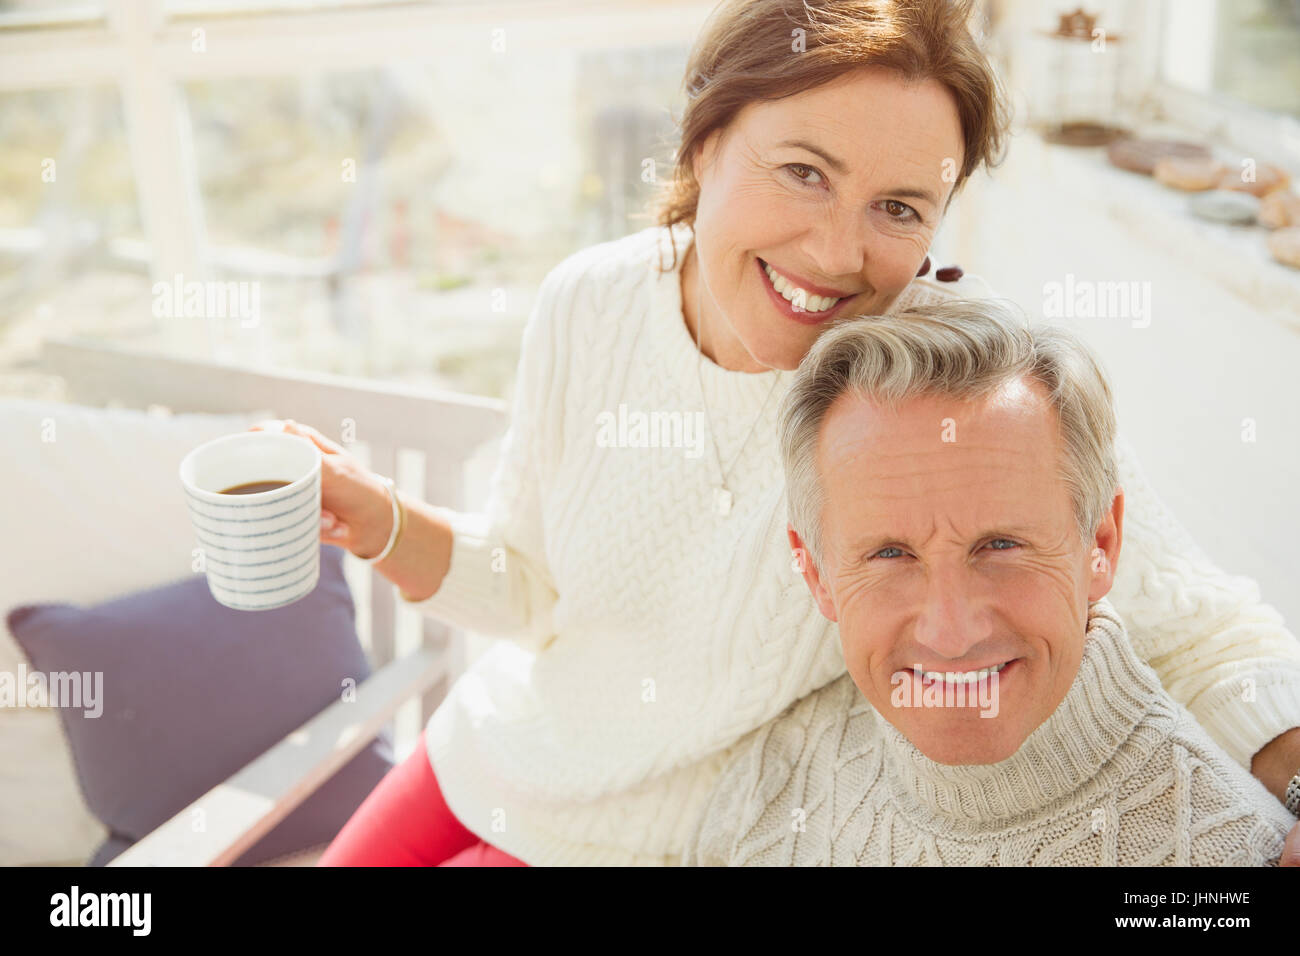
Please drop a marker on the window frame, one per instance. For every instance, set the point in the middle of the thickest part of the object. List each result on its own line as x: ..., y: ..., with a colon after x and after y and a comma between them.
x: 147, y: 52
x: 1218, y: 117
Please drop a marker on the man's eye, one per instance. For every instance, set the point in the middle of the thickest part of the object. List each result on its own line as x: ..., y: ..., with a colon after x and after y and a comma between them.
x: 890, y: 552
x: 804, y: 173
x: 1002, y: 544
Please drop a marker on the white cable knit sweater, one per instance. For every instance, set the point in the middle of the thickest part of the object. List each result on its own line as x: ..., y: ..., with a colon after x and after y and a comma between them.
x: 648, y: 634
x: 1118, y: 775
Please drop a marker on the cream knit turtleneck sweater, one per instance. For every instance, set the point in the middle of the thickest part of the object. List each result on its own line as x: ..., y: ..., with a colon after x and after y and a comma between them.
x: 647, y: 634
x: 1118, y: 775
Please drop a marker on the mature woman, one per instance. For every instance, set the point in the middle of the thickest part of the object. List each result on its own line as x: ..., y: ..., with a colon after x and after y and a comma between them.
x: 654, y: 613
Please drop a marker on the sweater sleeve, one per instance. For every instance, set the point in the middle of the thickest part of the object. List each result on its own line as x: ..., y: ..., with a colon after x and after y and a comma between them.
x: 1217, y: 648
x: 499, y: 582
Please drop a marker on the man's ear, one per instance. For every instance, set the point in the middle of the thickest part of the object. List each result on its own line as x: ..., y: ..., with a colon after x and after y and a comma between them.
x: 803, y: 562
x: 1105, y: 548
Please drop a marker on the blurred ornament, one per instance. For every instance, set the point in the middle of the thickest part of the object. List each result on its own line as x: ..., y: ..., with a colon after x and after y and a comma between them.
x: 1077, y: 25
x: 1222, y: 205
x: 1284, y: 244
x: 1279, y: 209
x: 1263, y: 179
x: 1141, y: 155
x: 1189, y: 175
x: 1081, y: 88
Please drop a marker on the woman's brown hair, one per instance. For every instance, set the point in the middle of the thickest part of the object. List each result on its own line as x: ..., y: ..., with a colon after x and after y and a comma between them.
x: 754, y: 50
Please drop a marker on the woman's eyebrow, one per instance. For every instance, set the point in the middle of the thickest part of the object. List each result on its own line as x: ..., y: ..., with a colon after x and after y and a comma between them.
x: 836, y: 164
x: 839, y: 166
x: 911, y: 192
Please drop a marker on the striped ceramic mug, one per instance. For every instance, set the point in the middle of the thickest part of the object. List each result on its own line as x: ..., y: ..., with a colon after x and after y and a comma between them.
x: 261, y: 550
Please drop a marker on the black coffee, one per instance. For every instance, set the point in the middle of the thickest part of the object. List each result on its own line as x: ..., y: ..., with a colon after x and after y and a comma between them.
x: 253, y: 487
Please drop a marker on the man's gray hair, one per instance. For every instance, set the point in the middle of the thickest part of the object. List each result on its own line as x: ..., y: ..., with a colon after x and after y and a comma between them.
x: 962, y: 349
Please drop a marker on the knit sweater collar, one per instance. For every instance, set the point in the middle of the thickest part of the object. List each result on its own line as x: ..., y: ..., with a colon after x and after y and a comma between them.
x: 1087, y: 746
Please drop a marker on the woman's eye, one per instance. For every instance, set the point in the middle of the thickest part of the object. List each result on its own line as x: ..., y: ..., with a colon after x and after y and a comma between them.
x: 900, y: 211
x: 1002, y: 544
x: 889, y: 552
x: 804, y: 173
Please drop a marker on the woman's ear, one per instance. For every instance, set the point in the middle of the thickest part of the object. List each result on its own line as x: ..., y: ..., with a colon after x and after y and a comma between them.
x: 1105, y: 548
x: 803, y: 563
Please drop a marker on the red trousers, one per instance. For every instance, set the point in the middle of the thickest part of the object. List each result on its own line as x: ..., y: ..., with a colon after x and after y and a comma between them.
x: 406, y: 822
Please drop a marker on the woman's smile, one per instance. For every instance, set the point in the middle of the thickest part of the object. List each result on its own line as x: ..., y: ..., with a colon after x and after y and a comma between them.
x: 798, y: 302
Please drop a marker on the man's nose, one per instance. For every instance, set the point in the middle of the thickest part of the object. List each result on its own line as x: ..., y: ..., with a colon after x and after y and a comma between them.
x: 954, y: 617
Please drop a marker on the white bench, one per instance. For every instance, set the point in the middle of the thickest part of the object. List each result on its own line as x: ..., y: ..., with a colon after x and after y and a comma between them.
x: 444, y: 427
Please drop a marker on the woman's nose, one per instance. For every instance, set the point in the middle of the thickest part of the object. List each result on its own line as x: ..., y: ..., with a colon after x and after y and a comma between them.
x: 837, y: 244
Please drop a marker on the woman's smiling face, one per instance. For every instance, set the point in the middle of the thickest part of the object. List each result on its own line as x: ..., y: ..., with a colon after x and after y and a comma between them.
x: 839, y: 190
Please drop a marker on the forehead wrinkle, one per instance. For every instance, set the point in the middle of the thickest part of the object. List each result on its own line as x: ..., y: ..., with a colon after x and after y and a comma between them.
x: 839, y: 127
x: 1002, y: 488
x: 859, y: 449
x: 912, y: 164
x: 996, y: 466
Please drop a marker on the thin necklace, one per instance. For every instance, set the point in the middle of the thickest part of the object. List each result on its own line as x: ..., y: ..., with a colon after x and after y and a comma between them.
x: 722, y: 495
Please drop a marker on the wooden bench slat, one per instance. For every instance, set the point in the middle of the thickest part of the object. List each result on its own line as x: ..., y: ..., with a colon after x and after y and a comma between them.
x: 240, y: 811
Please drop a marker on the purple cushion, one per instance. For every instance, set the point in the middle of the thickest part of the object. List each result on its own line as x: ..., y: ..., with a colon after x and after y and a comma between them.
x: 193, y: 691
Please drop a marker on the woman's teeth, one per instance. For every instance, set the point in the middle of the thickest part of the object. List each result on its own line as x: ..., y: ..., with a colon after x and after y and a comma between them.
x: 797, y: 296
x: 962, y: 677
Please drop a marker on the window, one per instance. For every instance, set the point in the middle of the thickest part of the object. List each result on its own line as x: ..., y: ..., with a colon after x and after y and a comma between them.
x: 1247, y: 49
x: 396, y: 179
x: 1232, y: 70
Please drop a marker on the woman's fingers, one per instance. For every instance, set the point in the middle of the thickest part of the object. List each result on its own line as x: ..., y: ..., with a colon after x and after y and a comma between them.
x: 306, y: 431
x: 325, y: 444
x: 330, y: 525
x: 341, y: 488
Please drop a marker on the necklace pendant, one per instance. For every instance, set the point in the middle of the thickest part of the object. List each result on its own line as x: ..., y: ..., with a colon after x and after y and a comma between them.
x: 722, y: 501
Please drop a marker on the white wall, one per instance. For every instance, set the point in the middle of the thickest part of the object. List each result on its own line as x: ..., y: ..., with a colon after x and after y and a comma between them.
x: 1222, y: 346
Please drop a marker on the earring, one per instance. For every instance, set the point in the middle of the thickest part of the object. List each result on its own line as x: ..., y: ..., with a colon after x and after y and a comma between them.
x: 925, y: 267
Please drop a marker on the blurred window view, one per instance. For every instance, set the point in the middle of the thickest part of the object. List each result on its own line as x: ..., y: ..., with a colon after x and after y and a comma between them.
x: 396, y: 221
x: 1247, y: 50
x: 396, y: 217
x: 190, y: 7
x: 70, y: 229
x: 400, y: 220
x: 24, y: 13
x: 1257, y: 53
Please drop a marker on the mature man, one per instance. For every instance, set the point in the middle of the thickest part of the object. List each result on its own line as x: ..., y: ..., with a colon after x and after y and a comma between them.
x: 952, y: 491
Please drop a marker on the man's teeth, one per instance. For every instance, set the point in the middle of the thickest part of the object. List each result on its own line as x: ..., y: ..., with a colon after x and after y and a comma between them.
x: 961, y: 677
x: 797, y: 296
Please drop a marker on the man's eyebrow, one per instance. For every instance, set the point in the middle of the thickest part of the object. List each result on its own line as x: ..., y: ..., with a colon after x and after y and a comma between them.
x: 841, y: 167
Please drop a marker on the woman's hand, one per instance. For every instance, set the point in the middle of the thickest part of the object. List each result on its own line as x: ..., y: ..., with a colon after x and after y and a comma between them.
x: 355, y: 511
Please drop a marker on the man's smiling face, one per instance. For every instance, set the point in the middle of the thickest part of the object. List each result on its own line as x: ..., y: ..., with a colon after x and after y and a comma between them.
x: 951, y: 546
